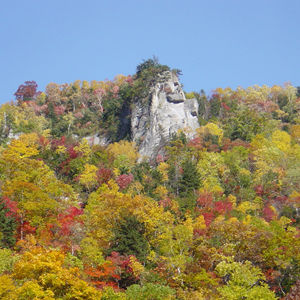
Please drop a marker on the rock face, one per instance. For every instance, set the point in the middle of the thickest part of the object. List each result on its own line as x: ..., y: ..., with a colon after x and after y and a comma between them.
x: 168, y: 111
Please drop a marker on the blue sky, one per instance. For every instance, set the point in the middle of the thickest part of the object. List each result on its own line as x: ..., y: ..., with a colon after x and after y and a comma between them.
x: 216, y: 43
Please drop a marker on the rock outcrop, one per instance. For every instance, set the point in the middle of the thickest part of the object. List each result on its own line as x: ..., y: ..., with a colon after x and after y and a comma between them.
x: 168, y: 111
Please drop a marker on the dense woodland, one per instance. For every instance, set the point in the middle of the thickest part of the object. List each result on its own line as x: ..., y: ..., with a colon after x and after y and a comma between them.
x: 215, y: 217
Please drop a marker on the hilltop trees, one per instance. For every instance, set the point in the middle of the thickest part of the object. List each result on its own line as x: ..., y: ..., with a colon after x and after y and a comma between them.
x: 213, y: 217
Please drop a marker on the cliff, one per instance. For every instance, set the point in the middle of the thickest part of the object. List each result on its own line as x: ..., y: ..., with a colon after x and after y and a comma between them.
x: 168, y: 111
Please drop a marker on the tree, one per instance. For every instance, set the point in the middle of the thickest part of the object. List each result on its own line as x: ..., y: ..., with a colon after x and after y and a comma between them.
x: 149, y: 291
x: 44, y: 276
x: 7, y: 226
x: 243, y: 281
x: 129, y: 238
x: 26, y: 92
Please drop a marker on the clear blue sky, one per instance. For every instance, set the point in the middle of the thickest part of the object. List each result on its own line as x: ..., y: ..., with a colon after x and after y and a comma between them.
x: 216, y: 43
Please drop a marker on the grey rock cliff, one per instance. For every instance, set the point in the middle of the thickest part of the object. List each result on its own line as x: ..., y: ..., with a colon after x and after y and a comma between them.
x: 168, y: 111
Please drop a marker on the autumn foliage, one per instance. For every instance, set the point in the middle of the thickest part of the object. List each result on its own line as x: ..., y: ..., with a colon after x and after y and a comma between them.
x: 215, y: 216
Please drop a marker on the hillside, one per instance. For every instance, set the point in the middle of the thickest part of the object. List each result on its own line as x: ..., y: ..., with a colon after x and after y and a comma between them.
x: 112, y: 190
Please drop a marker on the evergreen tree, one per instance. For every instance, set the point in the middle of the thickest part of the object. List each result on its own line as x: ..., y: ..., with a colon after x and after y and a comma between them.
x: 129, y: 238
x: 187, y: 185
x: 7, y: 227
x: 190, y: 180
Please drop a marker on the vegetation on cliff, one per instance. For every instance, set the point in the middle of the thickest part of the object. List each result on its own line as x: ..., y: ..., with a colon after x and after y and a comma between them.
x: 215, y: 217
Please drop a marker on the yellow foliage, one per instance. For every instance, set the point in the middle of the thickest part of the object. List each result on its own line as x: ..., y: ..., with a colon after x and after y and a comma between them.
x: 45, y: 277
x: 117, y: 172
x: 247, y: 206
x: 208, y: 167
x: 190, y: 95
x: 137, y: 267
x: 282, y: 140
x: 247, y: 220
x: 163, y: 170
x: 25, y: 146
x: 85, y: 86
x: 61, y: 149
x: 189, y: 223
x: 84, y: 148
x: 232, y: 199
x: 220, y: 219
x: 294, y: 195
x: 107, y: 206
x: 233, y: 220
x: 32, y: 290
x: 281, y: 114
x: 90, y: 251
x: 273, y: 209
x: 161, y: 191
x: 95, y: 85
x: 119, y: 79
x: 210, y: 128
x: 46, y: 133
x: 124, y: 148
x: 88, y: 177
x: 136, y: 188
x: 7, y: 288
x: 244, y: 172
x: 283, y: 221
x: 200, y: 222
x: 224, y: 92
x: 295, y: 133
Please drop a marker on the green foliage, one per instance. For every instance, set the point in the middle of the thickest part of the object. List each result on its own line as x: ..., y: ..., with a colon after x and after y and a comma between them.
x: 7, y: 227
x: 213, y: 217
x: 7, y: 260
x: 243, y: 282
x: 149, y: 291
x: 129, y: 238
x: 244, y: 125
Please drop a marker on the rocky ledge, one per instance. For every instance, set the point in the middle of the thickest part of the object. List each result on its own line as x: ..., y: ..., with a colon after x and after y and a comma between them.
x: 168, y: 111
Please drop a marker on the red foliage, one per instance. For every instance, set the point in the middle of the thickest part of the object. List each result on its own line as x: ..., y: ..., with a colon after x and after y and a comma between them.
x: 222, y: 207
x: 23, y: 226
x: 195, y: 143
x: 168, y: 205
x: 43, y: 142
x: 103, y: 176
x: 27, y: 228
x: 58, y: 142
x: 116, y: 90
x: 123, y: 268
x: 12, y: 206
x: 124, y: 180
x: 78, y: 115
x: 208, y: 217
x: 268, y: 214
x: 68, y: 219
x: 27, y: 91
x: 104, y: 275
x: 229, y: 145
x: 159, y: 158
x: 59, y: 110
x: 100, y: 92
x: 40, y: 109
x: 259, y: 190
x: 205, y: 200
x: 129, y: 79
x: 223, y: 104
x: 199, y: 232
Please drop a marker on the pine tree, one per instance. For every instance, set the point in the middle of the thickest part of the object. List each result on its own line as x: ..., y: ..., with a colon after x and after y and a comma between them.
x: 190, y: 180
x: 129, y: 238
x: 7, y: 227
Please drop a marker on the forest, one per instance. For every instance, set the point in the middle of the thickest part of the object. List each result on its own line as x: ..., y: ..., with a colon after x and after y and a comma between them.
x: 216, y: 217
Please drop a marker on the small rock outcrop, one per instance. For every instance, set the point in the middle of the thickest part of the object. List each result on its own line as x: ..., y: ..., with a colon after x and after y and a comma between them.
x: 168, y: 111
